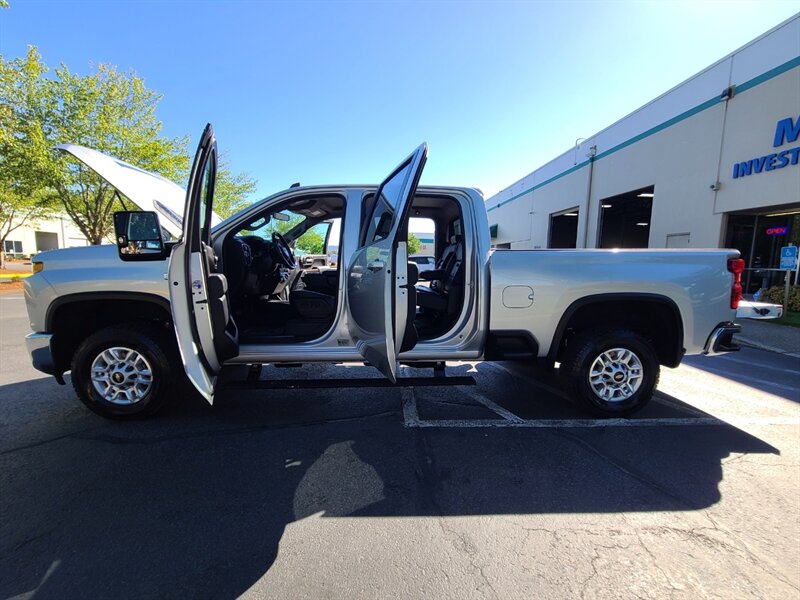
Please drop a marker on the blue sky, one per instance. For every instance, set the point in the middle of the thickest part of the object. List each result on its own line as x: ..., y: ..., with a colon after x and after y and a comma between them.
x: 334, y: 92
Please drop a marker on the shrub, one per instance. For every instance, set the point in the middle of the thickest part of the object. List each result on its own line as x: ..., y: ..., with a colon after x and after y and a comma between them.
x: 775, y: 295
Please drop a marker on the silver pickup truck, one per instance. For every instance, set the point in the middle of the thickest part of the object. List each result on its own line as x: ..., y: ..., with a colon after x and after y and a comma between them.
x: 183, y: 293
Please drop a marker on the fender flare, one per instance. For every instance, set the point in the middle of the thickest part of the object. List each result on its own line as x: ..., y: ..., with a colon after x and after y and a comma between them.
x: 558, y: 336
x: 79, y: 297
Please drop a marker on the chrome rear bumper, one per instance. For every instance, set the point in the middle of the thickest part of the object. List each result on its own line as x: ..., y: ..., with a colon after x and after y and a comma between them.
x: 721, y: 339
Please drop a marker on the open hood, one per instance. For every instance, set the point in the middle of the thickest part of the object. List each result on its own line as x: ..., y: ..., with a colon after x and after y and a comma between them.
x: 147, y: 191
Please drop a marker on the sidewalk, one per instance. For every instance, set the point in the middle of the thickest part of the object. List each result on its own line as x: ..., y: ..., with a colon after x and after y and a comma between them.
x: 769, y: 336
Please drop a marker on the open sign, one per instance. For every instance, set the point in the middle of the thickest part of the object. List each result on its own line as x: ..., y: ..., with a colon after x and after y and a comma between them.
x: 778, y: 230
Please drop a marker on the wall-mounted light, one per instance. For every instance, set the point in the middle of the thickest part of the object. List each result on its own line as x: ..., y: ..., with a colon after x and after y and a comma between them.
x: 728, y: 93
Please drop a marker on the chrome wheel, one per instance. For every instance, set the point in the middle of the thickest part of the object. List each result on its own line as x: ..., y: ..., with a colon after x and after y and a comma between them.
x: 616, y: 374
x: 121, y: 375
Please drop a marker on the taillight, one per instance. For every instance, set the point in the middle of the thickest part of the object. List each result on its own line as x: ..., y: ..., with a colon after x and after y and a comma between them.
x: 736, y: 266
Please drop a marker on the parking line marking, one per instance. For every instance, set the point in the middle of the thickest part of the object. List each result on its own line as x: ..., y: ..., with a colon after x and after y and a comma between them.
x: 570, y: 423
x: 597, y: 423
x: 496, y: 408
x: 410, y: 414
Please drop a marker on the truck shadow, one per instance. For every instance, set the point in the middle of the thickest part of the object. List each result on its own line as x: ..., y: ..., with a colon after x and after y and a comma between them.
x: 195, y: 503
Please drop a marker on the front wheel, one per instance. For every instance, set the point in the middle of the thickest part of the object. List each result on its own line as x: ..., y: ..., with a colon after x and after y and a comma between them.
x: 123, y: 372
x: 611, y: 372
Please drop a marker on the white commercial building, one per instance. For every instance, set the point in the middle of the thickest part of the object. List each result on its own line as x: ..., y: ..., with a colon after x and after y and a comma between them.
x: 38, y: 235
x: 711, y: 163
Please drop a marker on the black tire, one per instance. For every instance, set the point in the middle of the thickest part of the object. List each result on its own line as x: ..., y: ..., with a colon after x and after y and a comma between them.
x: 588, y: 347
x: 150, y: 343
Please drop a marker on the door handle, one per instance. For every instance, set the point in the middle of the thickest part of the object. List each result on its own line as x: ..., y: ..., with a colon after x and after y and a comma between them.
x: 375, y: 265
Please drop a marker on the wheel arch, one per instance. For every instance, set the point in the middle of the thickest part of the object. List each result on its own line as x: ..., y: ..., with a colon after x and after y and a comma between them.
x: 653, y: 315
x: 74, y: 317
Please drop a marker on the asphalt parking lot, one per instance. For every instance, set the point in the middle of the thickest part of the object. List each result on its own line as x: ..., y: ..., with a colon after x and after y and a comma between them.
x: 498, y: 490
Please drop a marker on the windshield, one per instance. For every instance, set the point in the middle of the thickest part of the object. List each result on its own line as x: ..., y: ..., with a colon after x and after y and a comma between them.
x: 282, y: 222
x: 305, y: 234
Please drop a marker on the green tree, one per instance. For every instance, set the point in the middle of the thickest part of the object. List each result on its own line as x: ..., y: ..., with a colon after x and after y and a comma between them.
x: 114, y: 113
x: 232, y: 191
x: 312, y: 241
x: 22, y: 143
x: 414, y: 244
x: 108, y: 110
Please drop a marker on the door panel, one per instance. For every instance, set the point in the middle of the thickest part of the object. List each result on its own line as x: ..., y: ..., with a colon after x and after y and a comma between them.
x: 191, y: 263
x: 377, y: 274
x: 201, y: 376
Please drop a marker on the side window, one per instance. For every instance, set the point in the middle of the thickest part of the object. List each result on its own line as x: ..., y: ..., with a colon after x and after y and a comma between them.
x: 207, y: 195
x: 313, y: 240
x: 385, y: 206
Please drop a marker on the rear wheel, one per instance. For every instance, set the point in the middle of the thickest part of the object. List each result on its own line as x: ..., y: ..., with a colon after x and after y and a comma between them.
x: 123, y: 372
x: 611, y: 372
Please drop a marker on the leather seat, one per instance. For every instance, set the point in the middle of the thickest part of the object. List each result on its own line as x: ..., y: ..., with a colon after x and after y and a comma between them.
x: 445, y: 279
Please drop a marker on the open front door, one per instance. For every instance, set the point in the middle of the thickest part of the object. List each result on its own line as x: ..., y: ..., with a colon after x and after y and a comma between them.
x: 377, y: 279
x: 200, y: 312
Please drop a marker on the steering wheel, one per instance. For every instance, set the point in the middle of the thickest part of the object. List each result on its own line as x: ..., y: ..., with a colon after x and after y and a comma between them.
x: 284, y: 251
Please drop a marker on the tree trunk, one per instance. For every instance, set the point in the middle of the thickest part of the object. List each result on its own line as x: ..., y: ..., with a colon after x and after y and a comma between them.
x: 2, y: 257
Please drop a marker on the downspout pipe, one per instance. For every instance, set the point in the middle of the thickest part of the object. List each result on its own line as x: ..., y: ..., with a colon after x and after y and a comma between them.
x: 591, y: 155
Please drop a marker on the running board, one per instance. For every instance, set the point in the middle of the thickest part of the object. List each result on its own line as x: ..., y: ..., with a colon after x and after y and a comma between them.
x: 363, y: 382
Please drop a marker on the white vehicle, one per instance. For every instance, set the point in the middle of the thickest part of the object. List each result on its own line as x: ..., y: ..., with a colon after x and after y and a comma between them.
x: 232, y: 293
x: 424, y: 263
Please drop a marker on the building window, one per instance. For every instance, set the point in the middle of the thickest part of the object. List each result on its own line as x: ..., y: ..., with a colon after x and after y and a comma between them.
x: 625, y: 219
x: 12, y: 247
x: 759, y: 238
x: 46, y: 240
x: 563, y: 229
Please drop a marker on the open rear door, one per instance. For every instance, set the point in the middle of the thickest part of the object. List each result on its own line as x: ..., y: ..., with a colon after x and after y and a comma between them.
x: 195, y: 291
x: 377, y: 288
